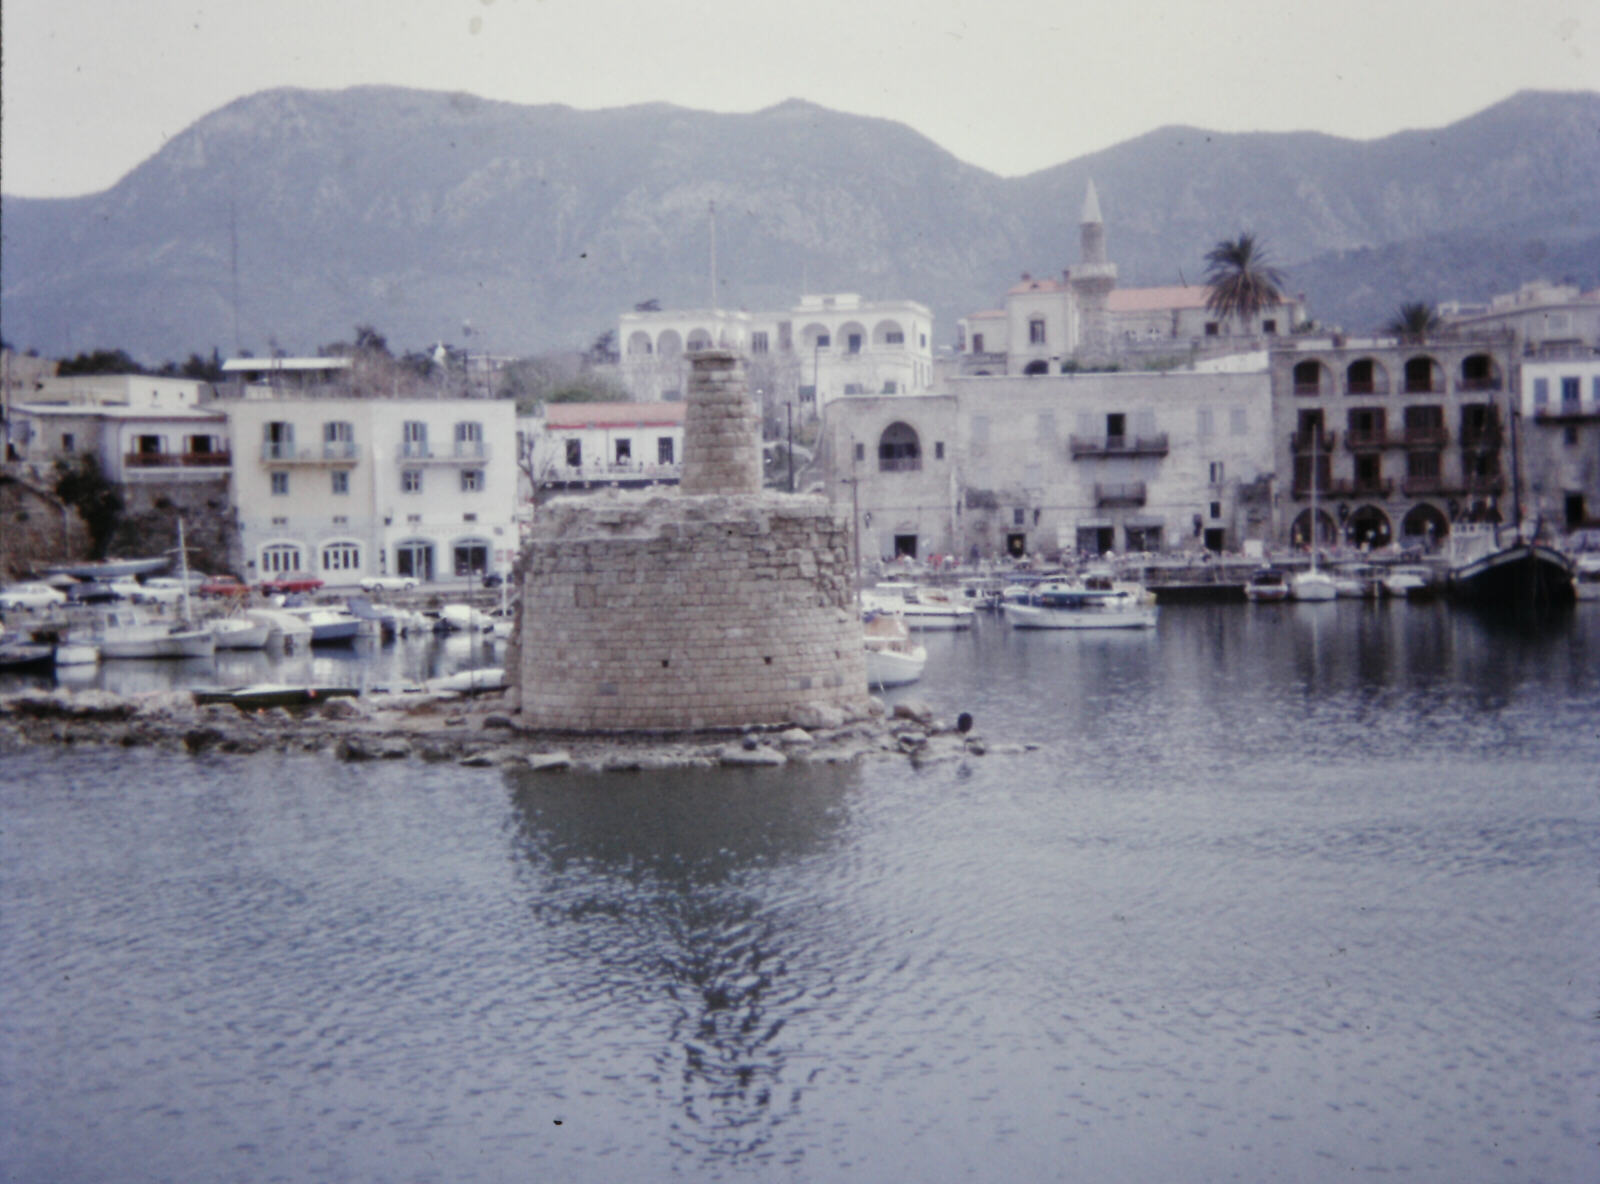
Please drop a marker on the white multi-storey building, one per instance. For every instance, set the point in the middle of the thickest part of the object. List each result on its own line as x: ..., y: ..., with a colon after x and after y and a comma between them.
x: 344, y: 488
x: 598, y: 445
x: 1559, y: 401
x: 823, y: 348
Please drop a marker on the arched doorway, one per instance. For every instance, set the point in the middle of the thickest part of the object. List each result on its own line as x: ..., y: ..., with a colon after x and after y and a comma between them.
x: 1037, y: 366
x: 899, y: 450
x: 1369, y: 526
x: 1424, y: 523
x: 414, y: 558
x: 1300, y: 529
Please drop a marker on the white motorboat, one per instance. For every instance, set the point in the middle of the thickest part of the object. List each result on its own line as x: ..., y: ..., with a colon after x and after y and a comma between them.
x: 893, y: 659
x: 129, y: 633
x: 1405, y: 583
x: 922, y: 607
x: 1094, y: 602
x: 463, y: 618
x: 1354, y: 581
x: 1267, y: 585
x: 76, y: 653
x: 285, y: 630
x: 329, y: 625
x: 240, y: 633
x: 1586, y: 577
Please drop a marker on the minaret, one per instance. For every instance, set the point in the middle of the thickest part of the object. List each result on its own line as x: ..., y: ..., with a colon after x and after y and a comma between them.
x: 1092, y: 280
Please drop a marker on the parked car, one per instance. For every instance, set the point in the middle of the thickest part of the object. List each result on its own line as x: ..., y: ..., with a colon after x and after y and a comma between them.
x: 218, y: 586
x: 289, y: 582
x: 31, y: 596
x: 159, y: 590
x: 388, y: 584
x: 103, y: 591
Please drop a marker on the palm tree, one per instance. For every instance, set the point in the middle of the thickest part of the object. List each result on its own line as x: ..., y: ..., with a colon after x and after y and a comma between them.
x: 1242, y: 281
x: 1414, y: 320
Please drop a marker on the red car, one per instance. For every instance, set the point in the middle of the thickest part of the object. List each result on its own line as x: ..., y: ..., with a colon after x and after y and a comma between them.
x: 223, y: 586
x: 289, y: 582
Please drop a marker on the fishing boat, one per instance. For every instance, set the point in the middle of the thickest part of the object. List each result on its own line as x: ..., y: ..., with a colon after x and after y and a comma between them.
x: 1267, y: 585
x: 261, y: 696
x: 921, y: 606
x: 123, y: 633
x: 1094, y: 602
x: 1523, y: 575
x: 893, y: 659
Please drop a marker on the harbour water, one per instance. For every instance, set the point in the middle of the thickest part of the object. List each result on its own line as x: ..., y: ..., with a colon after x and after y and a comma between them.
x: 1285, y: 892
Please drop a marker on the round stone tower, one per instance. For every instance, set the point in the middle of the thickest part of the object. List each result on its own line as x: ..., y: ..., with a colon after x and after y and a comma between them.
x: 717, y: 606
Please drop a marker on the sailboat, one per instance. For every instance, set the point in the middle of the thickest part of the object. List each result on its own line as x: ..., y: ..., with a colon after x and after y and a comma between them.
x: 1312, y: 584
x: 132, y: 633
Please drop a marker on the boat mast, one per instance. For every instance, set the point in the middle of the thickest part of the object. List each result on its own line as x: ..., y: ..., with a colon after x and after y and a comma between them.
x: 1516, y: 471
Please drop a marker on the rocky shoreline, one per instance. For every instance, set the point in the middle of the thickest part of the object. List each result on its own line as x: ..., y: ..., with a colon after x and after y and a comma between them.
x: 478, y: 731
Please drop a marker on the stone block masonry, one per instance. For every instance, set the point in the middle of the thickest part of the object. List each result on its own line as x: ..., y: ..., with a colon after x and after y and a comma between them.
x: 721, y: 428
x: 646, y: 613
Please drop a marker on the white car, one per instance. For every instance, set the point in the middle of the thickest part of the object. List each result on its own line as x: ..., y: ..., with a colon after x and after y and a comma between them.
x: 388, y: 584
x: 30, y: 596
x: 158, y: 590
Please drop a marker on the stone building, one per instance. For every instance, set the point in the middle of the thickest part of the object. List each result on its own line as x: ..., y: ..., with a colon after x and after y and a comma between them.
x: 713, y: 606
x: 1405, y: 439
x: 1050, y: 326
x: 1537, y: 315
x: 1093, y: 463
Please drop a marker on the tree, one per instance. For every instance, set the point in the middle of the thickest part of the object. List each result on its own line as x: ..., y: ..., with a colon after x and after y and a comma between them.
x: 85, y: 488
x: 1414, y: 320
x: 1242, y: 282
x: 604, y: 349
x: 101, y: 361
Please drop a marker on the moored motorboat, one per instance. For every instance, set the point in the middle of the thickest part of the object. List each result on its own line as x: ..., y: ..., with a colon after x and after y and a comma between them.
x: 1313, y: 585
x: 893, y: 659
x: 1586, y: 577
x: 922, y: 607
x: 123, y: 634
x: 463, y: 618
x: 1094, y: 602
x: 240, y: 633
x: 329, y: 625
x: 285, y: 630
x: 1406, y: 583
x: 1267, y: 585
x: 25, y: 655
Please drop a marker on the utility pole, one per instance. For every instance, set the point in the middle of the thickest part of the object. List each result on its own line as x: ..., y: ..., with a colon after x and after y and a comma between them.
x: 790, y: 408
x: 713, y: 217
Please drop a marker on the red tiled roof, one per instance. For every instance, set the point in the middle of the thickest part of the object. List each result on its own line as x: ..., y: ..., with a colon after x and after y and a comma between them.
x: 613, y: 415
x: 1157, y: 299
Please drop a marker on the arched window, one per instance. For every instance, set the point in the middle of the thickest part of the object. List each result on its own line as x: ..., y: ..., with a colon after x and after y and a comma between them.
x: 639, y: 343
x: 699, y: 339
x: 1425, y: 522
x: 899, y: 451
x: 888, y: 333
x: 278, y: 558
x: 342, y: 556
x: 1308, y: 377
x: 1479, y: 373
x: 1366, y: 377
x: 669, y: 344
x: 1420, y: 376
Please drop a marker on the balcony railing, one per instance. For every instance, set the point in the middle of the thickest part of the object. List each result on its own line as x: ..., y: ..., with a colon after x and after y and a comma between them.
x: 1366, y: 439
x: 1479, y: 384
x: 1422, y: 486
x: 177, y: 460
x: 461, y: 452
x: 339, y: 452
x: 1482, y: 436
x: 899, y: 464
x: 1308, y: 388
x: 1363, y: 487
x: 1317, y: 441
x: 1484, y: 483
x: 1432, y: 437
x: 1125, y: 493
x: 1367, y: 386
x: 1153, y: 445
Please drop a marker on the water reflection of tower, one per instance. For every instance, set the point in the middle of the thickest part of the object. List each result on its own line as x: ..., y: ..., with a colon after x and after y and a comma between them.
x: 657, y: 888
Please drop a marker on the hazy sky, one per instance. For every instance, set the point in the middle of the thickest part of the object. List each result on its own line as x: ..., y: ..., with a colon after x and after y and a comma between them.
x: 93, y: 87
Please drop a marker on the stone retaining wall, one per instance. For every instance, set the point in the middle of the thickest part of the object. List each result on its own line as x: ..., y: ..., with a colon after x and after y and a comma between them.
x: 652, y: 612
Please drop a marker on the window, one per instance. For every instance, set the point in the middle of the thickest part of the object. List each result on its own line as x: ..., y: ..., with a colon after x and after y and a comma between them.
x: 1269, y: 326
x: 938, y: 450
x: 341, y: 481
x: 414, y: 559
x: 67, y: 442
x: 891, y: 387
x: 410, y: 480
x: 1362, y: 377
x: 341, y: 520
x: 280, y: 484
x: 823, y: 341
x: 574, y: 454
x: 899, y: 450
x: 471, y: 558
x: 1036, y: 331
x: 414, y: 438
x: 1239, y: 421
x: 341, y: 557
x: 280, y: 522
x: 853, y: 388
x: 861, y: 452
x: 1217, y: 472
x: 1422, y: 465
x: 338, y: 440
x: 977, y: 343
x: 808, y: 394
x: 279, y: 558
x: 853, y: 343
x: 469, y: 438
x: 1571, y: 395
x: 471, y: 480
x: 1541, y: 394
x: 758, y: 342
x: 624, y: 451
x: 469, y: 517
x: 1216, y: 509
x: 1212, y: 329
x: 277, y: 441
x: 1203, y: 426
x: 894, y: 337
x: 663, y: 450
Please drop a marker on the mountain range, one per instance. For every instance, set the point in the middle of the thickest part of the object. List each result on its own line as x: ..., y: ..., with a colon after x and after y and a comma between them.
x: 286, y: 218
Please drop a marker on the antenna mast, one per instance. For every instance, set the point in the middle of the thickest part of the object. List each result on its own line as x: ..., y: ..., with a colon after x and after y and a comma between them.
x: 712, y: 206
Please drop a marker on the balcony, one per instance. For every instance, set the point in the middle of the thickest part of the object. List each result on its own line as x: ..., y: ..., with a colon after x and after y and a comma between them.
x: 1317, y: 441
x: 343, y: 452
x: 1089, y: 446
x: 1126, y: 493
x: 177, y: 460
x: 1362, y: 487
x: 1422, y: 486
x: 461, y: 452
x: 1301, y: 488
x: 1425, y: 437
x: 1478, y: 384
x: 1366, y: 439
x: 1308, y: 388
x: 1567, y: 413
